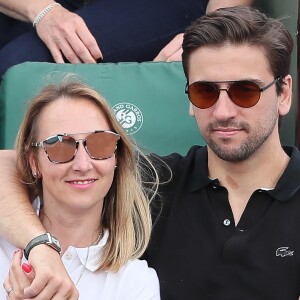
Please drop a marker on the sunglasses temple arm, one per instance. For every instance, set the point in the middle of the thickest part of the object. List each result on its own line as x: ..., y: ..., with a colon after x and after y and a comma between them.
x: 186, y: 87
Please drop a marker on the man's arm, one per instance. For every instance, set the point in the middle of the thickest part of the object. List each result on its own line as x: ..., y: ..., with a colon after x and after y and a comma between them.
x: 173, y: 50
x: 18, y: 221
x: 19, y: 224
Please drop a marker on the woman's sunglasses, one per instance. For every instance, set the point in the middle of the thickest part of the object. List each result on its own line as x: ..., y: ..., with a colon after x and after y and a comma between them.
x: 62, y: 148
x: 245, y: 93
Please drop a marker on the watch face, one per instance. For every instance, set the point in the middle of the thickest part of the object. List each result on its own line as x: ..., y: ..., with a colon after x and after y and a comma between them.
x: 55, y: 241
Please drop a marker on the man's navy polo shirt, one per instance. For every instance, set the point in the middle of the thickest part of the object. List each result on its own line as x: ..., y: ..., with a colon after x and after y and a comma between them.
x: 199, y: 253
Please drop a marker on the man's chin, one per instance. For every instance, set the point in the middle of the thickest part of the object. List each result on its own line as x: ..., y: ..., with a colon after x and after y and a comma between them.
x: 229, y: 152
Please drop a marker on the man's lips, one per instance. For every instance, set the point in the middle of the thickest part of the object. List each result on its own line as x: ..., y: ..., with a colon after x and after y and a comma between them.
x: 228, y: 131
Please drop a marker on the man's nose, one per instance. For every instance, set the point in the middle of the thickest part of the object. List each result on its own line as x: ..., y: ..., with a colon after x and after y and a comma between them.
x: 224, y: 107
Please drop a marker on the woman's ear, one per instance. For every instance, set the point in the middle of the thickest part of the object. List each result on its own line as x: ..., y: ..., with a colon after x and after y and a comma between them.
x: 33, y: 165
x: 285, y: 97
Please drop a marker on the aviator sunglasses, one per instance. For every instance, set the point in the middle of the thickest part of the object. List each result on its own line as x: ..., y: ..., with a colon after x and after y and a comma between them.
x: 62, y: 148
x: 244, y: 93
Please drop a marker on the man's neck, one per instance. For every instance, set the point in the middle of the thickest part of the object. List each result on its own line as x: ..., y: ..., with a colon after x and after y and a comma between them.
x: 262, y: 170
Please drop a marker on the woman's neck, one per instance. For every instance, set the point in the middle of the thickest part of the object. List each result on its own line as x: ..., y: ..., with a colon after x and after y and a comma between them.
x: 79, y: 230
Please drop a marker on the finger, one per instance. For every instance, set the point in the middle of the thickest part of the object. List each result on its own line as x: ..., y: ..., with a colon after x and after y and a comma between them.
x: 177, y: 56
x: 170, y: 48
x: 8, y: 289
x: 162, y: 56
x: 17, y: 278
x: 66, y: 49
x: 6, y: 284
x: 51, y: 291
x: 28, y: 271
x: 36, y: 288
x: 54, y: 289
x: 49, y: 40
x: 47, y: 291
x: 79, y: 51
x: 90, y: 43
x: 55, y: 52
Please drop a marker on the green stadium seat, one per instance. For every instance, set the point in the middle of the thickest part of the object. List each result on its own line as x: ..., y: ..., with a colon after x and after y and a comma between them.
x: 148, y: 99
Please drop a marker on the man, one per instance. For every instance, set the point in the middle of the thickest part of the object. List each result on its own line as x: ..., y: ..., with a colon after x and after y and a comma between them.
x: 228, y: 225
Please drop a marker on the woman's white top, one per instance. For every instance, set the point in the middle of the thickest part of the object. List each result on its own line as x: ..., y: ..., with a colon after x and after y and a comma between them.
x: 135, y: 280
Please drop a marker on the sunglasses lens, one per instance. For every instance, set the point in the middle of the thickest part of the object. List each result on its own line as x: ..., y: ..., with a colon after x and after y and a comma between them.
x: 244, y: 93
x: 203, y: 95
x: 102, y: 145
x: 60, y: 148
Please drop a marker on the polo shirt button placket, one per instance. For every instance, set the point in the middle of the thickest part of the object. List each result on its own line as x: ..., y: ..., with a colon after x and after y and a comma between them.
x: 226, y: 222
x: 68, y: 258
x: 68, y: 255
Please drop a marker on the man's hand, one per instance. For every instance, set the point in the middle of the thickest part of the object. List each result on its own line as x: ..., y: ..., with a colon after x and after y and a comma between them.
x: 67, y: 37
x: 51, y: 278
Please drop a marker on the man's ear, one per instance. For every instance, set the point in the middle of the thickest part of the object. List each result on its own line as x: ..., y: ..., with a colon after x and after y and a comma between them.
x: 191, y: 110
x: 285, y: 97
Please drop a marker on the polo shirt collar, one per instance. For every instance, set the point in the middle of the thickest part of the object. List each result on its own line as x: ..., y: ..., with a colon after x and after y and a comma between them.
x: 289, y: 183
x: 94, y: 255
x: 199, y: 174
x: 286, y: 187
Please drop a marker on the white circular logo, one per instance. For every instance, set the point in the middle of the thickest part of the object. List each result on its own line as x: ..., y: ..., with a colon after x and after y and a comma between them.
x: 129, y: 116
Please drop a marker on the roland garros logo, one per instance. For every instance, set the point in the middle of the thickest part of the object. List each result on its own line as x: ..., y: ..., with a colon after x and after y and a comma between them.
x: 129, y: 116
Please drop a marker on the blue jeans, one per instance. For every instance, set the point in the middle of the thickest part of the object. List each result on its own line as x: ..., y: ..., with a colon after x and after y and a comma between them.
x: 134, y: 30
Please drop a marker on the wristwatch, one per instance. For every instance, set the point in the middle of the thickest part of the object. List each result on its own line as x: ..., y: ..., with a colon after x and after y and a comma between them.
x: 46, y: 238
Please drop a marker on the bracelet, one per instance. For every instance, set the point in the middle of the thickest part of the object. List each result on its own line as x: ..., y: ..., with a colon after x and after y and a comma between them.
x: 43, y: 13
x: 47, y: 239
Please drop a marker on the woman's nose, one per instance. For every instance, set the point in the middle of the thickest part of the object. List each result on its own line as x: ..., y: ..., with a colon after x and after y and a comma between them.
x: 82, y: 160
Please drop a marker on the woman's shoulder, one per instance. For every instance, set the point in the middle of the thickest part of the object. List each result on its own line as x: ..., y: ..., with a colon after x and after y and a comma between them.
x: 139, y: 265
x: 137, y: 281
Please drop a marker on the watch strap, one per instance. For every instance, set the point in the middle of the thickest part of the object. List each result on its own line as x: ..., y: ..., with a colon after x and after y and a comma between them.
x: 46, y: 238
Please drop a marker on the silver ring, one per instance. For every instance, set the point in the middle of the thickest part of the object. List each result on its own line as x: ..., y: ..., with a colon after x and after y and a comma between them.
x: 9, y: 290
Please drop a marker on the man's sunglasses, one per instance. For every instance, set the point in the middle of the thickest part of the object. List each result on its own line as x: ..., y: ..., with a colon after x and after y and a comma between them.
x: 62, y: 148
x: 244, y: 93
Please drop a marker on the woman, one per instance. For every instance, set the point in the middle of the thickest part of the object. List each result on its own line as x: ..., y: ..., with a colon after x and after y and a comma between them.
x: 84, y: 174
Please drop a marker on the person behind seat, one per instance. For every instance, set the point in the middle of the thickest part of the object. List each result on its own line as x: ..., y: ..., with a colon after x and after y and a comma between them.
x: 84, y: 175
x: 88, y: 30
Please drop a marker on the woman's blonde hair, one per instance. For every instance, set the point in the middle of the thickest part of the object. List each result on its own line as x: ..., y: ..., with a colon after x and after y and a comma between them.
x: 126, y: 212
